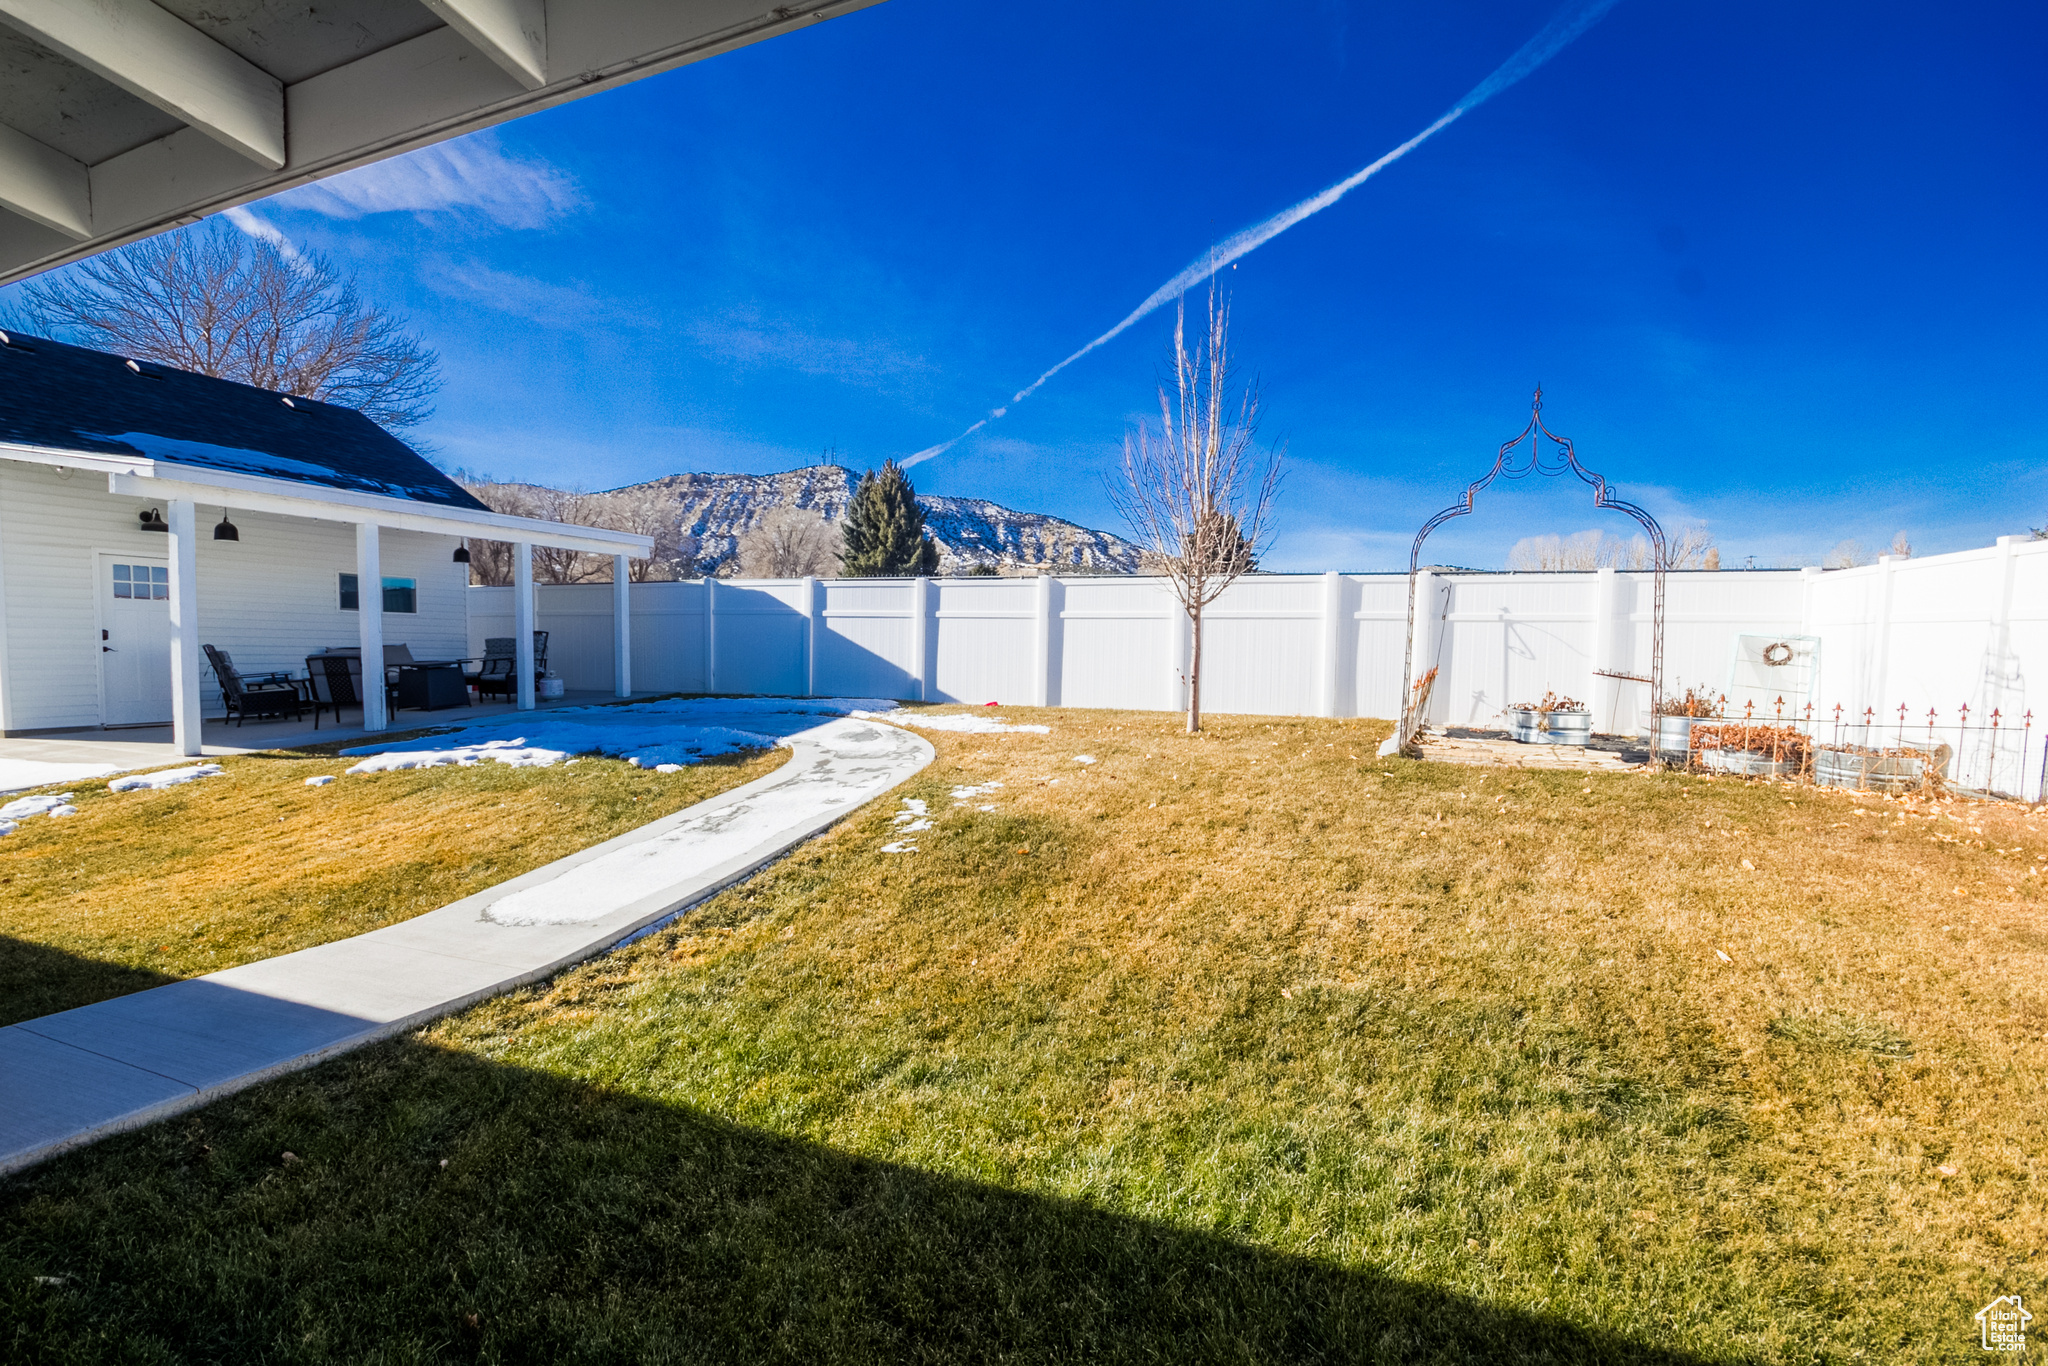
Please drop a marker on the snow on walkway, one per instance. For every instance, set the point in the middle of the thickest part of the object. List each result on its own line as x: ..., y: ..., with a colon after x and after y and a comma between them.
x: 18, y: 775
x: 71, y: 1078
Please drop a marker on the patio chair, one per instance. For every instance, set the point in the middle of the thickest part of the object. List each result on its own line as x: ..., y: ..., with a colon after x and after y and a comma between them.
x: 333, y: 681
x: 219, y: 657
x: 243, y: 700
x: 498, y: 674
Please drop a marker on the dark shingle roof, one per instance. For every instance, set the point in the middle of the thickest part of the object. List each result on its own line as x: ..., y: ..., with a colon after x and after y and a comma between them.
x: 70, y: 398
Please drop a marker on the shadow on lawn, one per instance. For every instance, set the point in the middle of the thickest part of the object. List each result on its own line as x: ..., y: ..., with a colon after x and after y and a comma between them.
x: 36, y: 980
x: 576, y: 1224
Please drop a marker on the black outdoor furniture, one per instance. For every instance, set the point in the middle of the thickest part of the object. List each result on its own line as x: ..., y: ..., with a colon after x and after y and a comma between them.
x: 432, y: 684
x: 242, y: 699
x: 333, y: 683
x: 499, y: 674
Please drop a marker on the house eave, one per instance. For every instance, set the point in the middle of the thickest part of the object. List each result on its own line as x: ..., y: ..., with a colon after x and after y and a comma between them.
x: 141, y: 477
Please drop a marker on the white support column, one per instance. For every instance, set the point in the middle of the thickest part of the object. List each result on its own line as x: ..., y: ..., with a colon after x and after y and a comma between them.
x: 522, y: 621
x: 1603, y: 694
x: 370, y: 624
x: 921, y: 636
x: 811, y: 614
x: 1041, y: 621
x: 622, y: 628
x: 1333, y: 642
x: 710, y: 634
x: 185, y: 719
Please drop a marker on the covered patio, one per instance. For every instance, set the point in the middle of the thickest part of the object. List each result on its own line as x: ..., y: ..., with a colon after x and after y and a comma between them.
x: 114, y: 588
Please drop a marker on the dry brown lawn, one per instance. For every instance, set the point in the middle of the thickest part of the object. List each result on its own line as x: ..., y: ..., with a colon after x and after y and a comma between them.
x: 145, y: 887
x: 1245, y: 1046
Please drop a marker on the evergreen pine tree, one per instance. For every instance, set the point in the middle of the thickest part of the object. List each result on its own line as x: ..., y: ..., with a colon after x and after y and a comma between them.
x: 885, y: 537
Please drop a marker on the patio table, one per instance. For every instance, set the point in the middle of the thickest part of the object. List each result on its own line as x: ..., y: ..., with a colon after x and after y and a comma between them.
x: 432, y: 684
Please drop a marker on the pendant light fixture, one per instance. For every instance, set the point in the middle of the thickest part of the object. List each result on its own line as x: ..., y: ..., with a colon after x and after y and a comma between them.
x: 462, y: 553
x: 226, y: 531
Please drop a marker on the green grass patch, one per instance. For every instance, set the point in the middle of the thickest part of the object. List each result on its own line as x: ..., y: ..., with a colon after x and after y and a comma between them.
x: 141, y: 888
x: 1241, y: 1048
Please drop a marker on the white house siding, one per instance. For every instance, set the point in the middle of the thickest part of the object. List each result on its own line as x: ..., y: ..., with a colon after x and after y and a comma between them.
x: 269, y: 599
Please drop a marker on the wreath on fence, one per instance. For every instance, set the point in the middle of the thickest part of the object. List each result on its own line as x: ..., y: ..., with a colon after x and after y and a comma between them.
x: 1777, y: 654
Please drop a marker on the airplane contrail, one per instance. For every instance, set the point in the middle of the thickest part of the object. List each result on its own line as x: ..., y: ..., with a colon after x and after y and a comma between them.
x: 1550, y: 40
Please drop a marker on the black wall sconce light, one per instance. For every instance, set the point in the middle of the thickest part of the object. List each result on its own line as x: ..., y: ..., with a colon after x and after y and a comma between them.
x: 152, y: 520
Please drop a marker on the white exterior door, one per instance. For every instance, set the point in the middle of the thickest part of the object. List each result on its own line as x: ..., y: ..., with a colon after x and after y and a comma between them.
x: 135, y: 641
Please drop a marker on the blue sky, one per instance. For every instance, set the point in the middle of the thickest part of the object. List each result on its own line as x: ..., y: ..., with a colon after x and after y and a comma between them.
x: 1778, y: 267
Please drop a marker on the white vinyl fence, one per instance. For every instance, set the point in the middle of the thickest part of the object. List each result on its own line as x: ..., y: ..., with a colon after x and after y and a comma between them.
x: 1937, y: 634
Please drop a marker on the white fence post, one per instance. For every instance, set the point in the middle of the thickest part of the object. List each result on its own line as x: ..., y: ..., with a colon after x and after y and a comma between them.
x: 810, y: 637
x: 1333, y: 642
x: 1041, y: 607
x: 710, y: 634
x: 1425, y: 637
x: 1177, y: 636
x: 1601, y: 692
x: 920, y: 635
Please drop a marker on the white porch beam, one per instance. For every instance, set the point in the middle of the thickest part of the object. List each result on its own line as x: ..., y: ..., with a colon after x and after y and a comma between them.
x: 42, y: 184
x: 522, y: 621
x: 512, y: 33
x: 370, y: 624
x: 185, y: 723
x: 622, y: 627
x: 156, y: 56
x: 253, y: 493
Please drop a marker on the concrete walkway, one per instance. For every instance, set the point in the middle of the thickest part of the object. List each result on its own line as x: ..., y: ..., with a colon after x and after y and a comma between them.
x: 77, y: 1076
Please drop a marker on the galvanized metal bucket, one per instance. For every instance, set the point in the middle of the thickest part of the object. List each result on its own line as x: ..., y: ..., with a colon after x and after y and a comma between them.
x: 1533, y: 727
x: 1674, y: 735
x: 1869, y: 770
x: 1747, y: 762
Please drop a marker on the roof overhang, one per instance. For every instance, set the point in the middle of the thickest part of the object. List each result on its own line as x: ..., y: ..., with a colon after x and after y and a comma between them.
x: 163, y: 480
x: 119, y: 119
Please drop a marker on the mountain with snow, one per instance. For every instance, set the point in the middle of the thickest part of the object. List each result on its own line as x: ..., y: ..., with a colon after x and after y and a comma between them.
x: 715, y: 510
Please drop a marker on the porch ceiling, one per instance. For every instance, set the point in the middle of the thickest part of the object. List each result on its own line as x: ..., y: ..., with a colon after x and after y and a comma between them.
x: 121, y: 118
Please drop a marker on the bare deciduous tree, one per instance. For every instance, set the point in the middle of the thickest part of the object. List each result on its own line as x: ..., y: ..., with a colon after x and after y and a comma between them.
x: 789, y: 543
x: 1198, y: 494
x: 1846, y: 555
x: 638, y: 510
x: 1687, y: 548
x: 211, y: 300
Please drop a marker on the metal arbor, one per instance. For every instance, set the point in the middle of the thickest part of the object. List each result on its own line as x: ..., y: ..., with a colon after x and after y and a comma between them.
x: 1506, y: 467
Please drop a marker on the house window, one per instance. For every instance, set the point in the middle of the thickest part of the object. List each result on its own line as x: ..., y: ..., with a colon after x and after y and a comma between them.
x: 142, y: 581
x: 400, y: 595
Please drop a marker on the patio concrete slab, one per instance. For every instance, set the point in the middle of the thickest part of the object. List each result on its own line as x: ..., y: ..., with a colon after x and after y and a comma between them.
x: 70, y: 1078
x: 72, y: 756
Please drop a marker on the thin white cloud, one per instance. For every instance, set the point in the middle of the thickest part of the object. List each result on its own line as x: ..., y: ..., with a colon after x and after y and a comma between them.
x: 263, y: 231
x: 745, y: 338
x: 523, y: 296
x: 471, y: 176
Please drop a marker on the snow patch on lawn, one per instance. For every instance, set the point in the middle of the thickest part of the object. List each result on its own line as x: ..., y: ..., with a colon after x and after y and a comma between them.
x: 969, y: 724
x: 899, y: 847
x: 665, y: 736
x: 170, y: 777
x: 321, y: 781
x: 23, y: 807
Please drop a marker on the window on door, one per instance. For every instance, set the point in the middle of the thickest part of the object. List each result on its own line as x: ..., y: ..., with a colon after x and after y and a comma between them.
x: 142, y: 581
x: 400, y: 595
